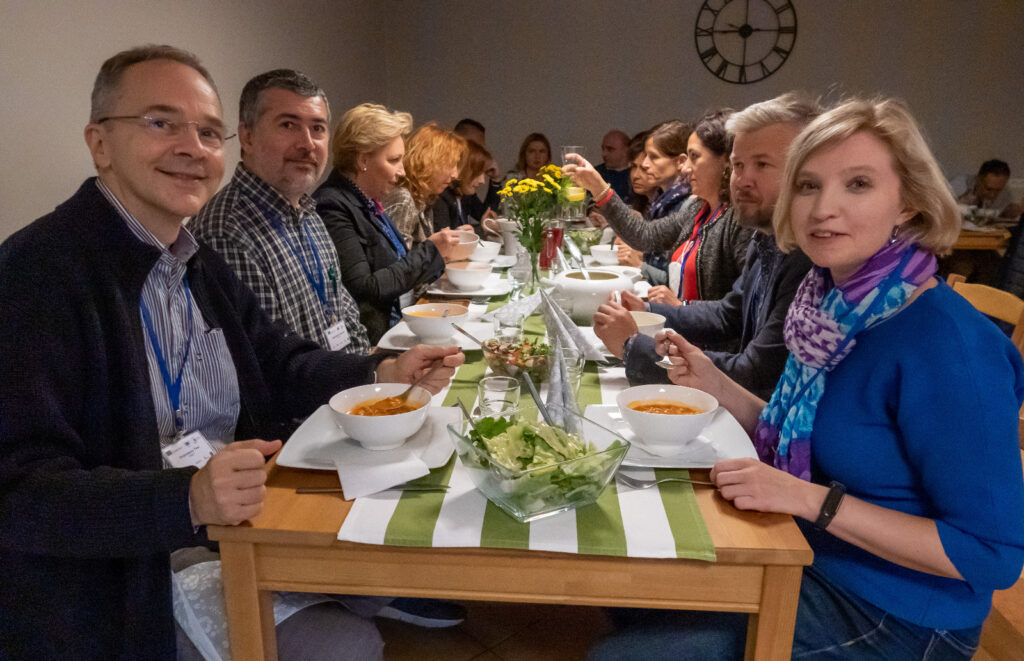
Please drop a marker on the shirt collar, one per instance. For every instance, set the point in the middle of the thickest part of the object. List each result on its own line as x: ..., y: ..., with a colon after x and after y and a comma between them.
x: 180, y: 251
x: 252, y: 185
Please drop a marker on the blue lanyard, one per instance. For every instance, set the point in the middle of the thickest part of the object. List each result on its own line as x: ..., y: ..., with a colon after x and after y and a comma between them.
x: 316, y: 280
x: 173, y: 386
x: 385, y: 225
x: 694, y: 242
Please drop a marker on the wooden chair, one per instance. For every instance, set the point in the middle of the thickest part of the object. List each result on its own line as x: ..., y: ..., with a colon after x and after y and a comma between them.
x: 1002, y: 638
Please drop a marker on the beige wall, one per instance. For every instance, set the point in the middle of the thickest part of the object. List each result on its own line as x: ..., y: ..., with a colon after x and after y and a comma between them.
x: 52, y: 50
x: 569, y: 69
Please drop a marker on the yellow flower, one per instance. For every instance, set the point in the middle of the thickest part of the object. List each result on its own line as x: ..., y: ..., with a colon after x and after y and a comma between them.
x: 510, y: 182
x: 546, y: 189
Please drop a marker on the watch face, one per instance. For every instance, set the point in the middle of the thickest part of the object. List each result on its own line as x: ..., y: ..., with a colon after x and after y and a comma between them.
x: 743, y: 41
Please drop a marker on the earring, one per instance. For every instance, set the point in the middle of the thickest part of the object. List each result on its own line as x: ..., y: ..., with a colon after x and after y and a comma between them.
x: 895, y: 233
x: 364, y: 168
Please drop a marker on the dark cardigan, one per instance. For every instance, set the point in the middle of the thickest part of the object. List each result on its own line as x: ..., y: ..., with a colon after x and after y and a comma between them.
x: 88, y: 516
x: 370, y: 267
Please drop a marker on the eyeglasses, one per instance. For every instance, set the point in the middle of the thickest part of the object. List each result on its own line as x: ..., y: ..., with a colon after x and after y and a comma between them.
x: 212, y: 137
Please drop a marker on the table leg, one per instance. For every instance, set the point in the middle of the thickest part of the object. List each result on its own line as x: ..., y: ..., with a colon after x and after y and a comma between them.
x: 250, y: 611
x: 770, y: 630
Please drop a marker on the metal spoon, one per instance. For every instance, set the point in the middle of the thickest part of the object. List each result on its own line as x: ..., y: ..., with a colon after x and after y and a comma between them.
x: 391, y: 403
x: 665, y: 362
x: 468, y: 334
x: 577, y: 255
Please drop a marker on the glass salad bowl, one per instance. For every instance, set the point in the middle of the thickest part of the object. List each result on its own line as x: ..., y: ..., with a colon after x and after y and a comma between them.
x: 532, y: 471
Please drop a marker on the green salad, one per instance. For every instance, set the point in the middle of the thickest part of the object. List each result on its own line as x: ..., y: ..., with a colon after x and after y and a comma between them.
x: 545, y: 467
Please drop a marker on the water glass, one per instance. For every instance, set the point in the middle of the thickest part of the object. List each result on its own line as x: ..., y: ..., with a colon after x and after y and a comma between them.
x: 574, y: 362
x: 497, y: 395
x: 572, y: 149
x: 520, y: 272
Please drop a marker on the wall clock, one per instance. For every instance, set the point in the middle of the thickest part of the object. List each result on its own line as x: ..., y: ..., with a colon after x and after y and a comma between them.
x: 744, y: 41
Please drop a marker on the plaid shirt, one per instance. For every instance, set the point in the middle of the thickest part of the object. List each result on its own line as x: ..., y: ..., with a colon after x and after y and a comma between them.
x: 245, y: 222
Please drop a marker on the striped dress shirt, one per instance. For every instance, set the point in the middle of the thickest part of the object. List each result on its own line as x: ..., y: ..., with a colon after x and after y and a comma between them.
x: 209, y: 384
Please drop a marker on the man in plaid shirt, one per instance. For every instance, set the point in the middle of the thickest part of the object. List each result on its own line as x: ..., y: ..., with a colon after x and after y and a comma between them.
x: 264, y: 223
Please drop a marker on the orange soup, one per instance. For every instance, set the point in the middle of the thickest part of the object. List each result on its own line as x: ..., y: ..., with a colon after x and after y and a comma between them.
x: 380, y: 406
x: 664, y: 406
x: 426, y: 313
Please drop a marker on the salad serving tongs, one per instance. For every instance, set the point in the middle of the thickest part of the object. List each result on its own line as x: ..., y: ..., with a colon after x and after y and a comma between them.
x: 536, y: 398
x: 574, y: 250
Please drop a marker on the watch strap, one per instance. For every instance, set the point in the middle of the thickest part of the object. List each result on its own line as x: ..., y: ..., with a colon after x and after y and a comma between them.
x: 836, y: 491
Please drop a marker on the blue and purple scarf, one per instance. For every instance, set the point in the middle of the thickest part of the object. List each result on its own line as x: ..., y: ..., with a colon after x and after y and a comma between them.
x: 820, y: 328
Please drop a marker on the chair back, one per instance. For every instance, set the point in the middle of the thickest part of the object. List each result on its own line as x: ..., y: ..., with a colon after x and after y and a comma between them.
x: 1000, y: 305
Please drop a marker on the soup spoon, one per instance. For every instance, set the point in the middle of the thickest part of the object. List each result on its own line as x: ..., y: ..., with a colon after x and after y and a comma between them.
x: 665, y: 362
x: 392, y: 403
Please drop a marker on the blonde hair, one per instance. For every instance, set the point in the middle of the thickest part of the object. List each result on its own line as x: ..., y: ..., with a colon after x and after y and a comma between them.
x: 936, y: 224
x: 366, y: 128
x: 789, y: 108
x: 430, y: 149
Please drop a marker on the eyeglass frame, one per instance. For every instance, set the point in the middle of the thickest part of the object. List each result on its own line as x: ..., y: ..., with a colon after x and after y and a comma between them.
x: 175, y: 126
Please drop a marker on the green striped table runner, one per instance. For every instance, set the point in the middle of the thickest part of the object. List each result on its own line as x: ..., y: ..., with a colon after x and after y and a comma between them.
x: 661, y: 522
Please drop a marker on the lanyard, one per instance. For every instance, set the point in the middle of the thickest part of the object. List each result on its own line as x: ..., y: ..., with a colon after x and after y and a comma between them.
x: 315, y: 279
x: 385, y: 225
x: 689, y: 248
x: 173, y: 386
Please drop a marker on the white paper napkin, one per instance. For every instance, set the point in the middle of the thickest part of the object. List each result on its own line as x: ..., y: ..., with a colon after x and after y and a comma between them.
x: 363, y: 472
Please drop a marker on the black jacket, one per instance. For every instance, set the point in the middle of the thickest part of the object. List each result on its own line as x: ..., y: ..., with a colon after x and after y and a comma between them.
x: 88, y: 516
x: 370, y: 268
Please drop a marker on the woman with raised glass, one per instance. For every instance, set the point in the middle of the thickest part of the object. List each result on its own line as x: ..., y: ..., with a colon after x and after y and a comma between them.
x: 892, y: 433
x: 707, y: 244
x: 377, y: 267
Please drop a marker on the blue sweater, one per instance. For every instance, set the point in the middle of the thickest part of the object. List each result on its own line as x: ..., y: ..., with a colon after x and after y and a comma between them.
x: 921, y: 417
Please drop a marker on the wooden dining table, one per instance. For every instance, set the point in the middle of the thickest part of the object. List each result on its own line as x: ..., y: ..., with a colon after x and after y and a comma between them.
x: 982, y: 240
x: 293, y: 545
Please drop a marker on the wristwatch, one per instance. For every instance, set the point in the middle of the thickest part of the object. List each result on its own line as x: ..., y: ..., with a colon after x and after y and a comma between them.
x: 836, y: 491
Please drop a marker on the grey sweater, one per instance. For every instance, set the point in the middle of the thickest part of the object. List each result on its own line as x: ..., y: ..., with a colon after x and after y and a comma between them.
x: 720, y: 254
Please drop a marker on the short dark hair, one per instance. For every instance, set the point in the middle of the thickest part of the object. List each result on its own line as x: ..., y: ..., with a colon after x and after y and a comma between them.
x: 637, y: 144
x: 108, y: 80
x: 287, y: 79
x: 711, y: 131
x: 467, y: 123
x: 994, y: 166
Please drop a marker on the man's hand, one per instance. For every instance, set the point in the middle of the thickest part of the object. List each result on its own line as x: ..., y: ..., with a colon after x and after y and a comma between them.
x: 229, y: 488
x: 614, y: 325
x: 631, y: 301
x: 662, y: 294
x: 415, y: 362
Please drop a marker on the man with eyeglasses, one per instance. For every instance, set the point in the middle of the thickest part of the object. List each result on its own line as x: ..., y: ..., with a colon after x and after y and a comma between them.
x: 131, y: 358
x: 264, y: 223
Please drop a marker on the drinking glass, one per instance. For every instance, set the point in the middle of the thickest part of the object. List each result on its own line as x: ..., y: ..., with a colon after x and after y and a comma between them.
x: 497, y: 395
x: 520, y: 273
x: 574, y: 362
x: 575, y: 195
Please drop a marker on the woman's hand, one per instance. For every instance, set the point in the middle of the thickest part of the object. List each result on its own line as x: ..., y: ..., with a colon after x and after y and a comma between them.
x: 583, y: 174
x: 445, y: 241
x: 754, y: 485
x: 628, y: 256
x: 415, y: 362
x: 614, y: 325
x: 597, y: 220
x: 465, y: 228
x: 662, y: 294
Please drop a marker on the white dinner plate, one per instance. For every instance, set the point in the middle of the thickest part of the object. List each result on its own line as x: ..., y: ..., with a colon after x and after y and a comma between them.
x: 503, y: 261
x: 400, y: 337
x: 319, y: 439
x: 723, y: 438
x: 495, y: 285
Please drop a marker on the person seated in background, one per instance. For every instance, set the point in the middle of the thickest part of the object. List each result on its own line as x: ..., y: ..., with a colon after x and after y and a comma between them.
x: 857, y: 439
x: 615, y: 166
x: 708, y: 245
x: 451, y: 209
x: 751, y: 314
x: 474, y: 131
x: 264, y: 222
x: 988, y: 190
x: 377, y: 267
x: 534, y: 153
x: 663, y: 157
x: 644, y: 186
x: 430, y: 162
x: 123, y: 409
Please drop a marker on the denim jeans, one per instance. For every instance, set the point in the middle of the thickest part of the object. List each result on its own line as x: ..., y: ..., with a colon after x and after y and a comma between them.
x: 831, y: 623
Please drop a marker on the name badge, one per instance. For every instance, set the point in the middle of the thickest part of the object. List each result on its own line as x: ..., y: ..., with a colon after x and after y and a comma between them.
x: 675, y: 276
x: 192, y: 449
x: 405, y: 300
x: 338, y: 337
